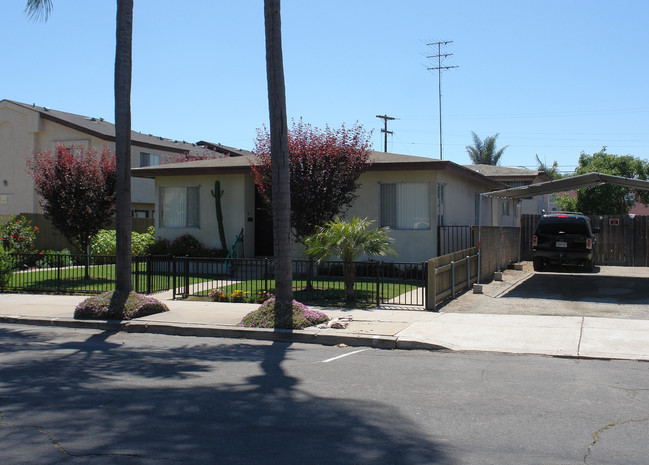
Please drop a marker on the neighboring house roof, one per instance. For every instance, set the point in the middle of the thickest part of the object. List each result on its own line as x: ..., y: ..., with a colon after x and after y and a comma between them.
x: 380, y: 162
x: 506, y: 173
x: 102, y: 129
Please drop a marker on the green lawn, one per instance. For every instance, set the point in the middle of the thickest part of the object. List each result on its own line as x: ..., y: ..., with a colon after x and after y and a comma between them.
x: 329, y: 292
x: 101, y: 278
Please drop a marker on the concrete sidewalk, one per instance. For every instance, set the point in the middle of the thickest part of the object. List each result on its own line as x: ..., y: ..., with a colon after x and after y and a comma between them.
x: 386, y: 328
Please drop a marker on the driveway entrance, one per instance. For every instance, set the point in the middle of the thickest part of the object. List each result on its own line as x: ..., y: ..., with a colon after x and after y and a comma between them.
x: 610, y: 292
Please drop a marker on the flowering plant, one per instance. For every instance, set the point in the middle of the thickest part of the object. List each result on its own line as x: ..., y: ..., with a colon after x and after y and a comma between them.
x: 287, y: 315
x: 18, y: 235
x: 217, y: 295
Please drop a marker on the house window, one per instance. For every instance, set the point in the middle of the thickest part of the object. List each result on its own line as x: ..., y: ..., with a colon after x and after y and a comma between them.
x: 506, y: 208
x: 405, y: 206
x: 441, y: 204
x: 148, y: 159
x: 179, y: 207
x: 4, y: 199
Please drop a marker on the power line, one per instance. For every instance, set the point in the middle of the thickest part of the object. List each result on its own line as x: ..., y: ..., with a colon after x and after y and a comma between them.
x: 439, y: 69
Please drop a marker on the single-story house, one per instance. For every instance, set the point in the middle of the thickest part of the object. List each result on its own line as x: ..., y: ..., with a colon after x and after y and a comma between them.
x: 24, y: 128
x: 518, y: 177
x: 413, y: 196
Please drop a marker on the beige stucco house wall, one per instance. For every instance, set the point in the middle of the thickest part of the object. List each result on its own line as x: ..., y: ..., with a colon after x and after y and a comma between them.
x: 461, y: 195
x: 24, y: 128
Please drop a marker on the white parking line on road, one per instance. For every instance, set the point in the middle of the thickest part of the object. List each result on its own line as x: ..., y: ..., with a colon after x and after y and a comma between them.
x: 343, y: 355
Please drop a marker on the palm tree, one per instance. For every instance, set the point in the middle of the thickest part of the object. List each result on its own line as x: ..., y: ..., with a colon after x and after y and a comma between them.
x: 41, y: 9
x: 552, y: 171
x: 484, y: 152
x: 281, y: 191
x: 347, y: 240
x: 123, y: 220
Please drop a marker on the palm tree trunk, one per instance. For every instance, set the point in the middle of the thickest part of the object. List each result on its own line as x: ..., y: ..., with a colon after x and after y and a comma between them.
x: 279, y: 152
x: 350, y: 278
x: 123, y: 62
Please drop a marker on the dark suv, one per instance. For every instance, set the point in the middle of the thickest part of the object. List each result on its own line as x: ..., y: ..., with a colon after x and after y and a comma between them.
x: 563, y: 237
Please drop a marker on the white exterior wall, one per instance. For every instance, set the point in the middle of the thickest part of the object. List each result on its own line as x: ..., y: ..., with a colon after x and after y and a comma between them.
x: 236, y: 204
x: 18, y: 135
x: 22, y: 131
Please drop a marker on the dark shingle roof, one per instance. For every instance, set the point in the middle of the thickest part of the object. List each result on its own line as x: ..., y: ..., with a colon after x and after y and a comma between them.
x: 380, y: 162
x: 102, y: 129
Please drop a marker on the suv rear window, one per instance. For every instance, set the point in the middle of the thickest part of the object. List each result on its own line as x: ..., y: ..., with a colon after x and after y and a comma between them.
x: 555, y: 225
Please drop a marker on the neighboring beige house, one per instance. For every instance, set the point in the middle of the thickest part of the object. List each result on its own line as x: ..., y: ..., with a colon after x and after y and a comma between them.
x: 411, y: 195
x: 24, y: 128
x: 517, y: 177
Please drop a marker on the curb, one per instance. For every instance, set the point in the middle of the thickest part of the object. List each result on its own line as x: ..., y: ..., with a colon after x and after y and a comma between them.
x: 308, y: 336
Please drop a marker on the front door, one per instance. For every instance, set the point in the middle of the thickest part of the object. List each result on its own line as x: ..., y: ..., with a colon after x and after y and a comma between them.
x: 263, y: 228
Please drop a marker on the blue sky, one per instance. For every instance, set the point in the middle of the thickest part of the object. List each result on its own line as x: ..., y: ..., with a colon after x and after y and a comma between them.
x: 553, y: 78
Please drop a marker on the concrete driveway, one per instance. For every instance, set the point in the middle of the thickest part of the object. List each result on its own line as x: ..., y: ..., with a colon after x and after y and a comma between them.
x: 611, y: 292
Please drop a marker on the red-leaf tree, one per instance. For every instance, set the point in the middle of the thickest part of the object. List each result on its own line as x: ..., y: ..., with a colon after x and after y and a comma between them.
x: 325, y: 166
x: 78, y: 190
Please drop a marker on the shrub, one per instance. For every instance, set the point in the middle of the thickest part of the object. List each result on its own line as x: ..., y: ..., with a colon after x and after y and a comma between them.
x: 266, y: 316
x: 6, y: 267
x: 105, y: 242
x: 18, y: 235
x: 118, y: 305
x: 54, y: 258
x: 182, y: 246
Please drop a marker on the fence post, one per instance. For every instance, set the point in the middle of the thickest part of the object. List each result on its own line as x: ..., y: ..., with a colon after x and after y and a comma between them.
x: 186, y: 294
x: 434, y: 287
x: 173, y: 270
x: 148, y: 274
x: 137, y: 274
x: 58, y: 272
x: 424, y: 273
x: 468, y: 273
x: 378, y: 283
x: 453, y: 278
x: 266, y: 274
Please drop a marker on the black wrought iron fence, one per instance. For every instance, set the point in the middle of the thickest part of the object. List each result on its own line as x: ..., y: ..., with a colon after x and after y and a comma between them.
x: 84, y: 274
x: 238, y: 280
x: 253, y: 280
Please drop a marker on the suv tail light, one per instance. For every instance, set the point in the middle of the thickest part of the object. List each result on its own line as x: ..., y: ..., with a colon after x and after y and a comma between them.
x: 535, y: 241
x: 589, y: 243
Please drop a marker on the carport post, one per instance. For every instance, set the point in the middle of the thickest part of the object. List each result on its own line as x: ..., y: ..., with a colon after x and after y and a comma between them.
x: 479, y: 235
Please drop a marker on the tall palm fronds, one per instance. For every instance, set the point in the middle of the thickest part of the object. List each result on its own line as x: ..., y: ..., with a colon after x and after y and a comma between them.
x: 39, y: 9
x: 552, y: 171
x: 484, y: 152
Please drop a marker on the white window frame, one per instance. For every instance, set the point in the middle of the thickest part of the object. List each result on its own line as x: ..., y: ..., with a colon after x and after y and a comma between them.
x: 152, y: 159
x: 404, y: 214
x: 185, y: 215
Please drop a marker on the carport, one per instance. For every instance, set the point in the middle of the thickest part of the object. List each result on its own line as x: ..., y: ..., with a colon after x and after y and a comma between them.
x: 555, y: 186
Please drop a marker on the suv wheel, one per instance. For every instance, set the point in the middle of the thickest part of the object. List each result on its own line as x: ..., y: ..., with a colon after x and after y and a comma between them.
x: 588, y: 266
x: 538, y: 264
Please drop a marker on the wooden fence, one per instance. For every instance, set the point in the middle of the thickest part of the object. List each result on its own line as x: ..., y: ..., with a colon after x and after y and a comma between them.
x: 623, y: 240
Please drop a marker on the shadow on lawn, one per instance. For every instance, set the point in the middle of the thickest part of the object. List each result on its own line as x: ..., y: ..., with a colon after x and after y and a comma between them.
x: 97, y: 397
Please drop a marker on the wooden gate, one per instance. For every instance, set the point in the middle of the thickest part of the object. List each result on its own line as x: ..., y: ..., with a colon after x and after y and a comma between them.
x: 623, y: 240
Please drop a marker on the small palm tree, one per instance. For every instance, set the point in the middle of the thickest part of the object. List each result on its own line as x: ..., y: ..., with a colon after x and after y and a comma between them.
x: 552, y: 171
x: 484, y: 152
x: 347, y: 240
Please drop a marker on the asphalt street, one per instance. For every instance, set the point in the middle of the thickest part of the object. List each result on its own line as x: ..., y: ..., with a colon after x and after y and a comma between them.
x: 80, y: 396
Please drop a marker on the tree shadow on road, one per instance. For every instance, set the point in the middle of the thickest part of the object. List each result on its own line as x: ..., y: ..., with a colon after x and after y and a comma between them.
x: 101, y: 397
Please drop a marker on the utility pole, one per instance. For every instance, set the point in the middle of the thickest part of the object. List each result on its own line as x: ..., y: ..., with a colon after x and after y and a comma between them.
x: 385, y: 119
x: 439, y: 69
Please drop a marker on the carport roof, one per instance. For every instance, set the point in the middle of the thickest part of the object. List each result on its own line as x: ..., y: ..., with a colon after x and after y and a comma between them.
x: 568, y: 184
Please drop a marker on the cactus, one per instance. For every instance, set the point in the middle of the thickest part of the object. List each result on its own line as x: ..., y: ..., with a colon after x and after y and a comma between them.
x: 217, y: 193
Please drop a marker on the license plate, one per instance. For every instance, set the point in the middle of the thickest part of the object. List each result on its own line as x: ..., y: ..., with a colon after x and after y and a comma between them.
x: 562, y: 244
